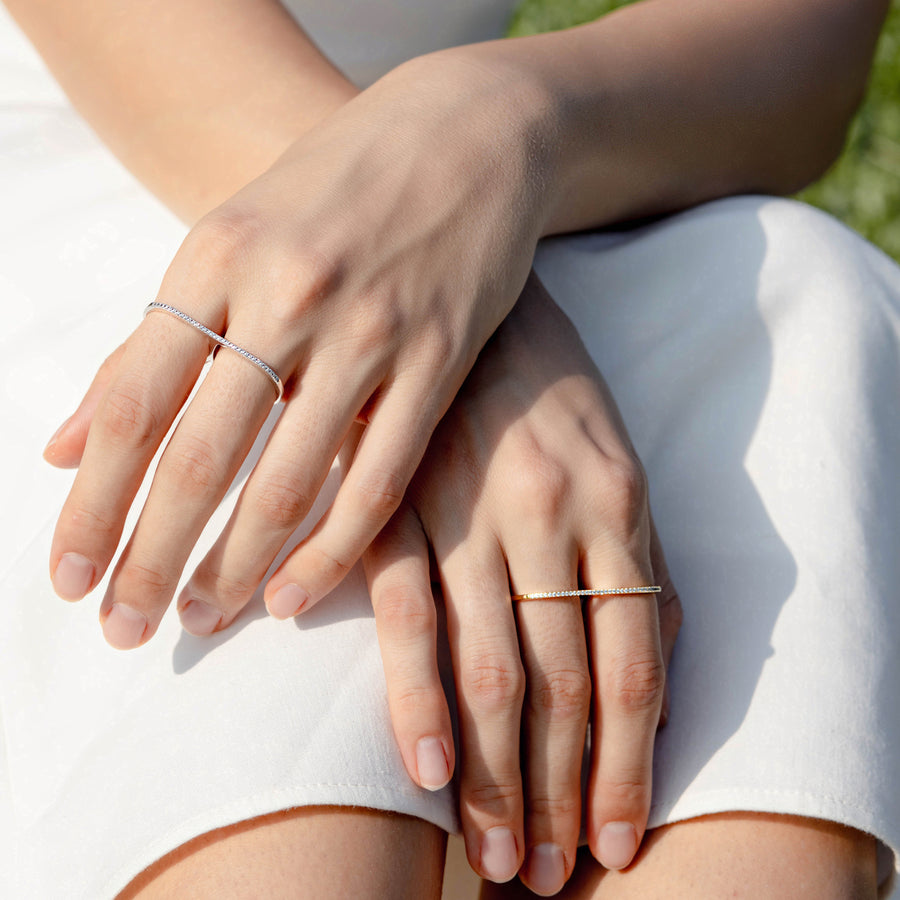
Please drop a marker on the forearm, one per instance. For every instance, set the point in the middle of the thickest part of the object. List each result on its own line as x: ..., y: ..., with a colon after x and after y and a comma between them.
x: 196, y: 98
x: 668, y: 103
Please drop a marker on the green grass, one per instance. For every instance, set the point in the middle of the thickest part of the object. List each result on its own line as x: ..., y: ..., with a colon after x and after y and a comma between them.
x: 863, y: 187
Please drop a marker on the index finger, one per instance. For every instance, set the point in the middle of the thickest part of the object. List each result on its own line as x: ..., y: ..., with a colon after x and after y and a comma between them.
x: 159, y: 366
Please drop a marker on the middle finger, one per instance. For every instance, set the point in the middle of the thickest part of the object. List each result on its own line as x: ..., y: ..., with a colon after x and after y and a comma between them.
x: 557, y: 701
x: 202, y: 457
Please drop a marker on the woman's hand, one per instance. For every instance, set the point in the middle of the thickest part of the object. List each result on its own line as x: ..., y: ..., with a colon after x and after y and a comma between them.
x: 530, y: 484
x: 368, y: 267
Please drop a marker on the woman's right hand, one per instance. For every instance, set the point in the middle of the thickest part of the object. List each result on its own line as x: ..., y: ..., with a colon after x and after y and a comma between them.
x: 530, y: 484
x: 368, y: 267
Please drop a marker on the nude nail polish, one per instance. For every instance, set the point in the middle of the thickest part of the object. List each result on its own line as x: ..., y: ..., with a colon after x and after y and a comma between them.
x: 73, y: 576
x: 124, y: 627
x: 431, y: 763
x: 499, y: 859
x: 287, y: 601
x: 546, y: 869
x: 199, y: 618
x: 616, y: 844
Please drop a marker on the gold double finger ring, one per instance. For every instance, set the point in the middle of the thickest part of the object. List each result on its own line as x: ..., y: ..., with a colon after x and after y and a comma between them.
x: 588, y: 592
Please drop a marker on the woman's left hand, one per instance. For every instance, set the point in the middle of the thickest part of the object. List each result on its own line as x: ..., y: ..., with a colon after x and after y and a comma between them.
x: 530, y: 484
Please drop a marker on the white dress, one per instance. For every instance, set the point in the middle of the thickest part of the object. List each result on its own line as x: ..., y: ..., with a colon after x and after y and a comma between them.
x: 754, y: 348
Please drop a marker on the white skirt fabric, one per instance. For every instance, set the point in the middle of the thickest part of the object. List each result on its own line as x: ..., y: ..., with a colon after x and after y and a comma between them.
x: 753, y: 345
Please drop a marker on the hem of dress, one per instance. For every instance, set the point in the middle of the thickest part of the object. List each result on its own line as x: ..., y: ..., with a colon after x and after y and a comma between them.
x: 786, y: 801
x: 368, y: 796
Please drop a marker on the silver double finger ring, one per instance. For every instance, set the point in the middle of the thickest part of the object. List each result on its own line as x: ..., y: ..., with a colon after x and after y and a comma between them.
x: 222, y: 342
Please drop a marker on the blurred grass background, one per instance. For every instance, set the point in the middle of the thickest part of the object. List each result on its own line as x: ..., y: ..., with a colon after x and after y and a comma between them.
x: 863, y: 187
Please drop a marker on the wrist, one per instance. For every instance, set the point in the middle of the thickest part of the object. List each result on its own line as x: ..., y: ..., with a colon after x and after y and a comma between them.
x: 511, y: 115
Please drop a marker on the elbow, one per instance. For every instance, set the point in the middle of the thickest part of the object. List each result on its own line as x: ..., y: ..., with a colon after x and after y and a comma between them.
x: 817, y: 125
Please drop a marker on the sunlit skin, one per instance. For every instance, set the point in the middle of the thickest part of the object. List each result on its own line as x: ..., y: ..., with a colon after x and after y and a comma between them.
x: 255, y: 139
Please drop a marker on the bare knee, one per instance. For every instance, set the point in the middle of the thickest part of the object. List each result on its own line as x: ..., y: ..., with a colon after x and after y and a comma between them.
x: 303, y: 854
x: 756, y: 856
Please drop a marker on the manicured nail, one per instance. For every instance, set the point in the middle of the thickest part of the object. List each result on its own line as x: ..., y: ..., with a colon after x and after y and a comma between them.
x: 199, y: 618
x: 616, y: 845
x: 499, y: 860
x: 73, y: 576
x: 124, y: 627
x: 546, y: 869
x: 287, y: 601
x: 431, y: 763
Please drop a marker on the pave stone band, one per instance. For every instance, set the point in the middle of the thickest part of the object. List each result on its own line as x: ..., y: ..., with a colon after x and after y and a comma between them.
x: 222, y: 342
x: 588, y: 592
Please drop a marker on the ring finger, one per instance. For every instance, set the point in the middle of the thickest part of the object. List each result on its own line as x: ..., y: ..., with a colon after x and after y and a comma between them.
x: 557, y: 701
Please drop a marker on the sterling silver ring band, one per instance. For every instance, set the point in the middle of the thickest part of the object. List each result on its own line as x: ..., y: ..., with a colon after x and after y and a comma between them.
x: 222, y: 342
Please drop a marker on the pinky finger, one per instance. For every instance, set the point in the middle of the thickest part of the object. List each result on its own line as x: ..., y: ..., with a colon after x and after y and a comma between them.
x: 397, y: 571
x: 65, y: 448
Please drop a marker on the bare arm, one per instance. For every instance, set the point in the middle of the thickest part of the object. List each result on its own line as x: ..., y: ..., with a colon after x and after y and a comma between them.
x: 667, y: 103
x: 196, y: 97
x: 658, y: 106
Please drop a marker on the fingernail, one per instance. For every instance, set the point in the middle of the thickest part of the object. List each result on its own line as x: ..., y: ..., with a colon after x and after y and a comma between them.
x: 499, y: 860
x: 616, y: 845
x: 124, y: 627
x: 199, y: 618
x: 55, y: 436
x: 287, y: 601
x: 73, y: 576
x: 431, y: 763
x: 546, y: 869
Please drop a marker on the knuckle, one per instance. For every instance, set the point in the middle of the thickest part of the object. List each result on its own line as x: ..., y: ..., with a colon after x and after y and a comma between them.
x: 542, y: 487
x: 86, y: 521
x: 437, y: 351
x: 491, y: 793
x: 280, y: 502
x: 636, y: 685
x: 130, y: 416
x: 193, y: 467
x: 230, y: 593
x: 625, y: 493
x: 377, y: 325
x: 626, y: 793
x: 415, y: 704
x: 299, y: 282
x: 561, y: 694
x: 493, y: 682
x: 327, y: 567
x: 144, y: 580
x: 379, y: 494
x: 399, y: 610
x: 567, y: 806
x: 224, y: 238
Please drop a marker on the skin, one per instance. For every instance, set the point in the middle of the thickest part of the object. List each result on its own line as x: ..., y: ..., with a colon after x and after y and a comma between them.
x: 668, y: 140
x: 286, y: 856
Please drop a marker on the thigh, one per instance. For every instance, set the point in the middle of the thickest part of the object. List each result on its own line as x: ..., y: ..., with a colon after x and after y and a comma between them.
x: 303, y: 854
x: 758, y: 856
